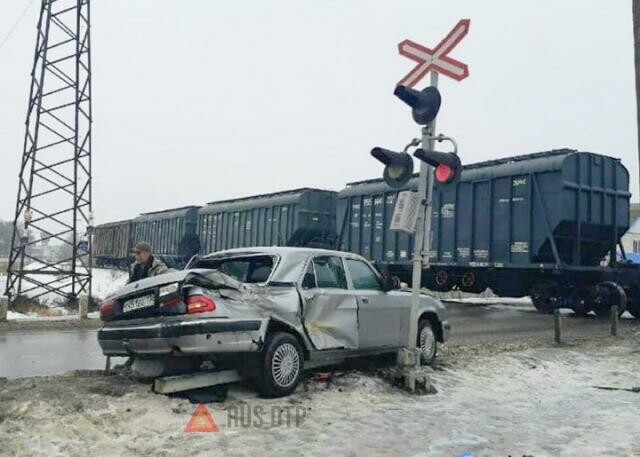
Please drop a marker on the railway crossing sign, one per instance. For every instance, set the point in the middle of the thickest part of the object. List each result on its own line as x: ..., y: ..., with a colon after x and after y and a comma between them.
x: 435, y: 59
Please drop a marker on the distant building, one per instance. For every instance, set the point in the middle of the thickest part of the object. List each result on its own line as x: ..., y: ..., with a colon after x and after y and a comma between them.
x: 634, y: 211
x: 631, y: 239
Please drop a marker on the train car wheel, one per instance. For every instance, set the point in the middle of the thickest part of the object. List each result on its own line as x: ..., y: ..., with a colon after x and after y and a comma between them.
x: 442, y: 278
x: 542, y: 296
x: 472, y: 282
x: 609, y: 294
x: 633, y: 302
x: 468, y: 279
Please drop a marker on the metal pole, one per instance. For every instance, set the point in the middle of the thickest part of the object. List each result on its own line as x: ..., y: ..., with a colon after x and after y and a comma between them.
x: 614, y: 320
x: 4, y: 308
x: 422, y: 241
x: 557, y: 327
x: 635, y: 8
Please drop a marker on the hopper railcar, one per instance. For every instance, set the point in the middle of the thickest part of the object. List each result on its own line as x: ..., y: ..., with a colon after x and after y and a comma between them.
x: 545, y: 224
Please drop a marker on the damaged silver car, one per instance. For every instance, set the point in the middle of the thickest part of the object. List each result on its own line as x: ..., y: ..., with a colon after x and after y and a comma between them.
x: 269, y: 313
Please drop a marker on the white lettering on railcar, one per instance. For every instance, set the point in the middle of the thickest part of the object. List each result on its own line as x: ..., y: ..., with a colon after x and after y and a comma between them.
x: 520, y: 247
x: 478, y: 264
x: 481, y: 253
x: 448, y: 210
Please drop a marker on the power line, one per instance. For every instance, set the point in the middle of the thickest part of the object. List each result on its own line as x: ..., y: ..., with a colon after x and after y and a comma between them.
x: 13, y: 27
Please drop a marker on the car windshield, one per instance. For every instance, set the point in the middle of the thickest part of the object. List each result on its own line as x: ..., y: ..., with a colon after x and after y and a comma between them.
x: 250, y: 269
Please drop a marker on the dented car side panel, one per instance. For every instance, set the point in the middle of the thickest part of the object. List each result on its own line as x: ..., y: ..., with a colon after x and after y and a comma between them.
x: 323, y: 319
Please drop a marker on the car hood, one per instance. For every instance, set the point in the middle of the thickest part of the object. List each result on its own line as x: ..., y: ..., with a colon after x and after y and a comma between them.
x: 155, y: 281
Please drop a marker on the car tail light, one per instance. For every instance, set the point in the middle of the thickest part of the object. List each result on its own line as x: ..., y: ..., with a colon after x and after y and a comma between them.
x: 107, y: 310
x: 199, y: 304
x: 170, y: 302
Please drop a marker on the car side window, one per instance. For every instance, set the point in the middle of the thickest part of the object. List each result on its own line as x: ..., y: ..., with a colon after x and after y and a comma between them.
x: 309, y: 280
x: 330, y: 272
x: 362, y: 275
x: 237, y: 270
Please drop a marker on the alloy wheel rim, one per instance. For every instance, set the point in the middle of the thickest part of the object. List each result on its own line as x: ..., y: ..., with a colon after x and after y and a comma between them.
x: 285, y: 365
x: 427, y: 342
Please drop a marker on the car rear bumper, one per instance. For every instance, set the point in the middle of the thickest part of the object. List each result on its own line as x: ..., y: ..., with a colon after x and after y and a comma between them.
x: 187, y: 337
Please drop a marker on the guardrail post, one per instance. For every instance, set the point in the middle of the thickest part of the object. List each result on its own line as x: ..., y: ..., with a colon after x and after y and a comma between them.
x: 614, y: 320
x: 557, y: 327
x: 83, y: 307
x: 4, y: 308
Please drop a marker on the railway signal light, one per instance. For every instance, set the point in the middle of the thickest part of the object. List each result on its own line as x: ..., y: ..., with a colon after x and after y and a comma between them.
x: 447, y: 164
x: 424, y: 103
x: 398, y: 166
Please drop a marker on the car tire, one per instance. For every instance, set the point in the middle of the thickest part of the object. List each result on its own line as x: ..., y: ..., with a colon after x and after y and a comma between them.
x: 282, y: 365
x: 427, y: 342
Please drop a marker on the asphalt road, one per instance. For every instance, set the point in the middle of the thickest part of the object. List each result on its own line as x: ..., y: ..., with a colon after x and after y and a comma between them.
x: 54, y: 351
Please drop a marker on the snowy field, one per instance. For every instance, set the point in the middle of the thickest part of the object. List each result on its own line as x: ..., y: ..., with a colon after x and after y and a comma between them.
x: 104, y: 282
x: 533, y: 402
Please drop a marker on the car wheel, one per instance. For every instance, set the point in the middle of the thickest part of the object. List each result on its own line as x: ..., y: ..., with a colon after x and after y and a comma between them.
x: 282, y: 365
x: 427, y: 342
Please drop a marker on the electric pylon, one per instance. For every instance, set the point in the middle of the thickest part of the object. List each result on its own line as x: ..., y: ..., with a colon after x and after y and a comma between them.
x: 50, y: 249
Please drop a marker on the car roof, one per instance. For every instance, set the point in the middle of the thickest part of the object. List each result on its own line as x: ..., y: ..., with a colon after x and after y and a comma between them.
x: 292, y: 262
x: 282, y: 250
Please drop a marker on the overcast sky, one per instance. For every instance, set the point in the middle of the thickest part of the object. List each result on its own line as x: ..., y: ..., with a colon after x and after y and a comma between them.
x: 196, y: 101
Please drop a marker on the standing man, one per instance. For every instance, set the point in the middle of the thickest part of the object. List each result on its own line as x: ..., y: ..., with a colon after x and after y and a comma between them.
x: 146, y: 264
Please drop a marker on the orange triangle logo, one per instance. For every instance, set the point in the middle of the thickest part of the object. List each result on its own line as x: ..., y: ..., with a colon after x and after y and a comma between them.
x: 201, y: 421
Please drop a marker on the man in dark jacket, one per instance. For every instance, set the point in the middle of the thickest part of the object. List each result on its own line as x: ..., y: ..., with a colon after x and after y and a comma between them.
x: 146, y: 264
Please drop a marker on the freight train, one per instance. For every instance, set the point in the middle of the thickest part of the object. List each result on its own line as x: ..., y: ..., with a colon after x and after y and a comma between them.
x: 299, y: 217
x: 546, y: 225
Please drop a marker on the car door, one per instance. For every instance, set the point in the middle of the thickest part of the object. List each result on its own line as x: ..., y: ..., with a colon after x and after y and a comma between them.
x: 378, y: 314
x: 330, y: 308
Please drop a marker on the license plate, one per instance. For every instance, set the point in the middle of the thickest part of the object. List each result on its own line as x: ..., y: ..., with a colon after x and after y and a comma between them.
x: 138, y: 303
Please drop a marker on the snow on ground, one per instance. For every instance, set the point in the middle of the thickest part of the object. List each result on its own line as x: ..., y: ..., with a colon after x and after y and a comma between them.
x: 13, y: 315
x: 534, y: 402
x: 522, y: 301
x: 104, y: 282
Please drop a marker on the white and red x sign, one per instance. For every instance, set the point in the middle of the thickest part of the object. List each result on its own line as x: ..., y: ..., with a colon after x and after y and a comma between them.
x: 435, y: 59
